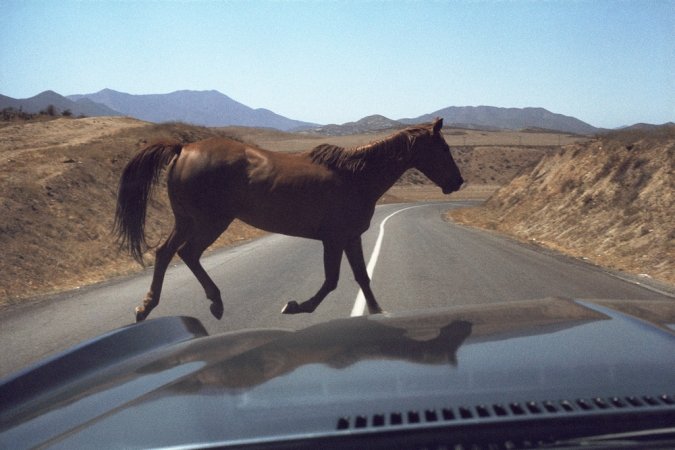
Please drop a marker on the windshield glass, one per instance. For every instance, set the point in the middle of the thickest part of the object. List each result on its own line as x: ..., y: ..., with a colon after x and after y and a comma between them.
x: 283, y: 165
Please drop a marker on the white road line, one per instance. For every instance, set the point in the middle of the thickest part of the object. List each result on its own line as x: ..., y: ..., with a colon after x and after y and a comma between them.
x: 360, y: 303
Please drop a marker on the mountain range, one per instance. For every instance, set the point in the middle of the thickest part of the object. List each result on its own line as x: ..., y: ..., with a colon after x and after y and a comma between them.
x: 370, y: 123
x: 206, y: 108
x: 34, y: 105
x: 214, y: 109
x: 505, y: 118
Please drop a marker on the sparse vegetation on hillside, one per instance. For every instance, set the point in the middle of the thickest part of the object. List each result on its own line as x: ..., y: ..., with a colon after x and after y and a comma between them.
x: 58, y: 202
x: 496, y: 165
x: 12, y: 115
x: 610, y: 200
x: 9, y: 114
x: 50, y: 110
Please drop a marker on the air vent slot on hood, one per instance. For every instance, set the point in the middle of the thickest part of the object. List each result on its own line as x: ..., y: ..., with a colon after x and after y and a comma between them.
x: 499, y: 411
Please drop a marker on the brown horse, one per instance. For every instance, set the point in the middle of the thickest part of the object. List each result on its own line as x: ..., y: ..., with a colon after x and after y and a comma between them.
x: 327, y: 193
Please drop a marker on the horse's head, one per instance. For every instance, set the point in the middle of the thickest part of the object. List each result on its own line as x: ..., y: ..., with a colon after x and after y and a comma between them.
x: 432, y: 157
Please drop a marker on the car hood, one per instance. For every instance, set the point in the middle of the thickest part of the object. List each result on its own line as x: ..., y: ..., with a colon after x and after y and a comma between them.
x: 165, y: 382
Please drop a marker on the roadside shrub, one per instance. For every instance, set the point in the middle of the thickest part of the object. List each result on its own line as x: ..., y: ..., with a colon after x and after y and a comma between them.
x: 12, y: 114
x: 49, y: 111
x: 568, y: 185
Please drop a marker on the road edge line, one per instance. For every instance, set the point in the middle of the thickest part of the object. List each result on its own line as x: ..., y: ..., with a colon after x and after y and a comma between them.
x: 360, y: 302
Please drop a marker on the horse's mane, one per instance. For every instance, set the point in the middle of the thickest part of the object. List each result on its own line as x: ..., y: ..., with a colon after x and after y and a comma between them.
x: 357, y: 159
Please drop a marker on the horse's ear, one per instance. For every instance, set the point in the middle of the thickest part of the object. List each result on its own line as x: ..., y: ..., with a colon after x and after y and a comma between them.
x: 438, y: 124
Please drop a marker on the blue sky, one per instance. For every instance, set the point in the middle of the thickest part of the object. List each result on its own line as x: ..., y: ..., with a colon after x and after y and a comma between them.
x: 608, y: 63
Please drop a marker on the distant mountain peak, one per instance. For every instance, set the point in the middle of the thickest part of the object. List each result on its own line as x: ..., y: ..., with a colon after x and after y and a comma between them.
x: 374, y: 122
x: 41, y: 101
x: 207, y: 108
x: 493, y: 117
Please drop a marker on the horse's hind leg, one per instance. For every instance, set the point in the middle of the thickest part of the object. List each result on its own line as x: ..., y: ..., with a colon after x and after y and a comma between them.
x: 190, y: 253
x: 354, y: 252
x: 163, y: 257
x: 332, y: 256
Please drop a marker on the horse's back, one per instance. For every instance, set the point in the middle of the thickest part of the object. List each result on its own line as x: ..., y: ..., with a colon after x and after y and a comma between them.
x: 223, y: 157
x: 278, y: 192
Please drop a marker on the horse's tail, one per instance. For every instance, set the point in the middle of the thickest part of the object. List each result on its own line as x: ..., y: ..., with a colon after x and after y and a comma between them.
x: 139, y: 177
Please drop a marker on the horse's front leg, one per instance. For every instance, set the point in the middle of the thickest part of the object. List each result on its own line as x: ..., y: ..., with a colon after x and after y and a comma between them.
x: 332, y: 257
x: 354, y: 252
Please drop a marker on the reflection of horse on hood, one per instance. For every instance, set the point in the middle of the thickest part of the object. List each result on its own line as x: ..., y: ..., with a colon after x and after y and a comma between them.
x: 337, y: 344
x: 327, y: 193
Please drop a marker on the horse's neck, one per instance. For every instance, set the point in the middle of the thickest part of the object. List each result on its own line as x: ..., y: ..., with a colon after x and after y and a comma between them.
x: 377, y: 183
x: 380, y: 181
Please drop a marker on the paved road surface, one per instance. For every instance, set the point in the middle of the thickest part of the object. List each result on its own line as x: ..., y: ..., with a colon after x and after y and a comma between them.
x: 424, y: 262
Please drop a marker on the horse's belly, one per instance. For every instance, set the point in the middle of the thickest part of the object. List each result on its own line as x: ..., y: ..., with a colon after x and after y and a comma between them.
x: 313, y: 220
x: 289, y: 222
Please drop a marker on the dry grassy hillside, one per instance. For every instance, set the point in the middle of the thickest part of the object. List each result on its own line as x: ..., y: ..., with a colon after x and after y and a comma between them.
x: 58, y: 184
x: 610, y: 200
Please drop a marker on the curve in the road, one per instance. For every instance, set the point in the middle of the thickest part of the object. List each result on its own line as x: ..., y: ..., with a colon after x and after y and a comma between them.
x: 360, y: 303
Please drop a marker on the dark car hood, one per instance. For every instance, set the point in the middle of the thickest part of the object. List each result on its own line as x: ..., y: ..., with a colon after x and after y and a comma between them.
x: 181, y: 387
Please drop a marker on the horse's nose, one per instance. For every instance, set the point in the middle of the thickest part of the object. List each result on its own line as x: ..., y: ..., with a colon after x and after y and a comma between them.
x: 453, y: 185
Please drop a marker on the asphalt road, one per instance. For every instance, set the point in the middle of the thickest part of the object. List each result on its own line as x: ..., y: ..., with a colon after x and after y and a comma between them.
x: 424, y: 262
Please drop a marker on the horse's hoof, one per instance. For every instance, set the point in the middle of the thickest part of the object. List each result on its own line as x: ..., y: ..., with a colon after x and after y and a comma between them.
x: 377, y: 311
x: 140, y: 314
x: 217, y: 310
x: 291, y: 307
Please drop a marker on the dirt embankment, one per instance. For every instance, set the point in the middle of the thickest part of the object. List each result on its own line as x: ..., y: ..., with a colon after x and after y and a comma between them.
x: 58, y: 184
x: 610, y: 201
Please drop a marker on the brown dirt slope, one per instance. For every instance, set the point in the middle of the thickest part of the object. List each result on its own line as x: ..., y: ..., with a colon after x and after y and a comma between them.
x: 58, y: 182
x: 610, y: 200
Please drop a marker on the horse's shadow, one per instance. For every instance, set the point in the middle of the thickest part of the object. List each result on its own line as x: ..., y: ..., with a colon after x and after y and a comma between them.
x: 337, y: 344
